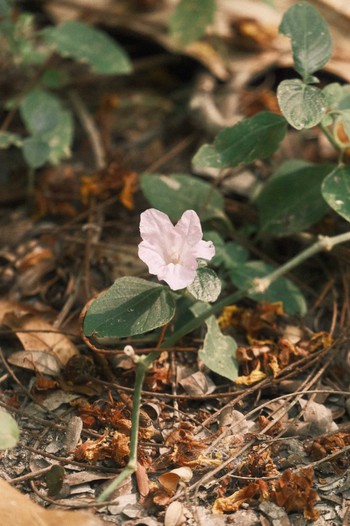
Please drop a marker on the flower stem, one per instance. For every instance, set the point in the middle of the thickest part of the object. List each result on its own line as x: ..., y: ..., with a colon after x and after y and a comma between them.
x: 259, y: 284
x: 144, y: 363
x: 142, y: 367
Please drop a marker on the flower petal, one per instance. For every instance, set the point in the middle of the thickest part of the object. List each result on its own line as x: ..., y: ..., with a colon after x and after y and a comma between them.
x: 150, y: 255
x: 204, y: 250
x: 177, y: 276
x: 156, y: 228
x: 189, y: 227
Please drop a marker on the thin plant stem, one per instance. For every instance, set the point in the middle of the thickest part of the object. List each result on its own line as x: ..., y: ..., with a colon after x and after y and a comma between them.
x: 141, y: 369
x: 259, y: 285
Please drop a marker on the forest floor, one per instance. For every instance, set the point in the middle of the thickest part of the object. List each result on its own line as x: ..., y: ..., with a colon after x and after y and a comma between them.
x: 273, y: 450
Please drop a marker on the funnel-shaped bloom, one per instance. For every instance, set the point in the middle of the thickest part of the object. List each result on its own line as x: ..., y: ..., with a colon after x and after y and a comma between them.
x: 171, y: 252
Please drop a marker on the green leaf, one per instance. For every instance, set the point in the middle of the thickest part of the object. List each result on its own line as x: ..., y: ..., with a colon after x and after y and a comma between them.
x: 227, y: 254
x: 190, y: 19
x: 257, y: 137
x: 206, y: 285
x: 336, y: 191
x: 40, y: 111
x: 35, y: 151
x: 310, y: 38
x: 9, y: 432
x: 219, y: 351
x: 302, y: 105
x: 8, y: 139
x: 130, y: 306
x: 292, y: 200
x: 280, y: 290
x: 89, y: 45
x: 60, y: 138
x: 174, y: 194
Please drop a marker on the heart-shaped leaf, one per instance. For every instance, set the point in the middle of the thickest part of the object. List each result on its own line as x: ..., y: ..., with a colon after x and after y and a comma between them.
x: 302, y: 105
x: 206, y: 286
x: 130, y: 306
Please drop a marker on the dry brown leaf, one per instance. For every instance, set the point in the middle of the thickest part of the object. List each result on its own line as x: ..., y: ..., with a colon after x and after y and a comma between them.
x: 46, y: 350
x: 17, y: 509
x: 233, y: 502
x: 293, y: 492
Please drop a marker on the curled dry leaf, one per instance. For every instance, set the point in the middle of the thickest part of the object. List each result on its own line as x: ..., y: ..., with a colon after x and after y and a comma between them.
x: 19, y: 510
x: 171, y: 479
x: 45, y: 350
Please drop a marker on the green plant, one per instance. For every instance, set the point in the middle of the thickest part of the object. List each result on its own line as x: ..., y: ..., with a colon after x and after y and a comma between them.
x: 38, y: 57
x: 296, y: 196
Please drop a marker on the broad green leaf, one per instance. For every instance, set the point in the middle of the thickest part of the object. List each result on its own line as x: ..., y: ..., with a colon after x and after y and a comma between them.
x: 302, y: 105
x: 130, y: 306
x: 257, y: 137
x: 174, y: 194
x: 60, y: 138
x: 310, y: 38
x: 227, y: 254
x: 35, y: 151
x: 190, y: 19
x: 337, y: 96
x: 281, y: 290
x: 8, y: 139
x: 219, y: 351
x: 89, y: 45
x: 9, y: 432
x: 336, y: 191
x: 292, y: 200
x: 206, y: 286
x: 40, y: 111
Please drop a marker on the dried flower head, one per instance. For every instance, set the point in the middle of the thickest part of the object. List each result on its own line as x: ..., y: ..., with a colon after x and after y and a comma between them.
x: 171, y: 252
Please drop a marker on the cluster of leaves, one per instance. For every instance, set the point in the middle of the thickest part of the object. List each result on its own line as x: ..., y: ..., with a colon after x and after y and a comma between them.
x: 48, y: 122
x: 297, y: 195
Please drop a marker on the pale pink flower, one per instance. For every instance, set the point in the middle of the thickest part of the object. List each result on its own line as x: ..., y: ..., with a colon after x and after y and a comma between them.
x: 171, y: 252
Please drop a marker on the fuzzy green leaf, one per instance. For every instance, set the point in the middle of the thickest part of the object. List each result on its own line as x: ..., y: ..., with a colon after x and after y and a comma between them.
x: 89, y: 45
x: 310, y: 38
x: 302, y: 105
x: 206, y: 286
x: 257, y: 137
x: 35, y: 151
x: 219, y: 351
x: 40, y: 111
x: 130, y: 306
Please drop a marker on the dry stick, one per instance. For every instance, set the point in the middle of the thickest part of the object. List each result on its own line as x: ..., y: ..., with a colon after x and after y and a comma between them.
x: 260, y: 285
